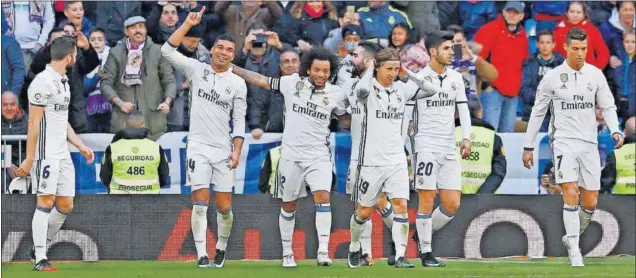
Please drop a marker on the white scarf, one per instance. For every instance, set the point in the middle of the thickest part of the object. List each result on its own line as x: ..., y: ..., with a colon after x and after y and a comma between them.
x: 133, y: 72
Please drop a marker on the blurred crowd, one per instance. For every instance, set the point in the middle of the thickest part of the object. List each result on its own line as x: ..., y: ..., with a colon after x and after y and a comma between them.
x: 522, y: 40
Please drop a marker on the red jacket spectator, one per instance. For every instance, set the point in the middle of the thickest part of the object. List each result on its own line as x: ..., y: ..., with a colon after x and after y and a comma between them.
x: 597, y: 52
x: 507, y: 51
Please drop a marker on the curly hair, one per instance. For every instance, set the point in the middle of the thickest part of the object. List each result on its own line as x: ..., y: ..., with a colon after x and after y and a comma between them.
x: 321, y: 54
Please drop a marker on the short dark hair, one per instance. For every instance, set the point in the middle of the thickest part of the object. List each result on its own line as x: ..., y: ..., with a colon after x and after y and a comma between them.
x: 630, y: 31
x: 545, y: 33
x: 62, y: 47
x: 69, y: 3
x: 96, y: 30
x: 456, y: 29
x: 620, y: 4
x: 436, y: 39
x: 585, y: 8
x: 133, y: 118
x: 369, y: 47
x: 68, y: 23
x: 54, y: 30
x: 576, y: 34
x: 321, y: 54
x: 256, y: 26
x: 224, y: 37
x: 289, y: 49
x: 409, y: 34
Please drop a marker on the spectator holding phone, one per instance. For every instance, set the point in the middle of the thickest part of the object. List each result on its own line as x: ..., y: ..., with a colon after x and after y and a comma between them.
x: 597, y: 51
x: 30, y: 22
x: 240, y: 15
x: 352, y: 35
x: 378, y: 19
x: 473, y: 68
x: 74, y: 12
x: 346, y: 16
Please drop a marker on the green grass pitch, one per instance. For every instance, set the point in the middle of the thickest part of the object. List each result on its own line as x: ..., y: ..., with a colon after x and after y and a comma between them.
x: 551, y: 267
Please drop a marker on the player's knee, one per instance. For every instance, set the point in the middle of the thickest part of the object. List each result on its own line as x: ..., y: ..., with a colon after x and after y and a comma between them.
x: 364, y: 212
x: 201, y: 195
x: 321, y: 197
x: 289, y: 207
x: 223, y: 208
x: 451, y: 206
x: 64, y: 208
x: 589, y: 204
x: 46, y: 202
x: 399, y: 206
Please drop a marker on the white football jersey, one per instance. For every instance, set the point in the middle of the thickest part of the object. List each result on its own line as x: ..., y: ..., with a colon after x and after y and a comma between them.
x: 354, y: 107
x: 434, y: 117
x: 345, y: 71
x: 52, y: 91
x: 571, y: 97
x: 382, y: 141
x: 307, y: 117
x: 217, y: 100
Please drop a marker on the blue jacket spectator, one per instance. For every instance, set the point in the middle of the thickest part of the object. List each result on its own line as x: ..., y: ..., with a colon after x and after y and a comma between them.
x: 612, y: 30
x: 548, y: 13
x: 448, y: 13
x: 12, y: 62
x: 533, y: 70
x: 74, y: 12
x: 87, y: 25
x: 475, y: 15
x: 599, y: 11
x: 378, y: 19
x: 622, y: 79
x: 112, y: 15
x: 310, y: 24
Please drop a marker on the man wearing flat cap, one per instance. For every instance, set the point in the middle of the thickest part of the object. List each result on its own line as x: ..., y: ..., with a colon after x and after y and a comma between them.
x: 137, y: 77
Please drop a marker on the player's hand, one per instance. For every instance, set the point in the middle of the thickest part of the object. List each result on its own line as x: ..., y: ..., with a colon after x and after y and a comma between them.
x: 127, y: 107
x: 615, y: 62
x: 528, y: 159
x: 618, y: 138
x: 465, y: 147
x: 370, y: 63
x: 194, y: 19
x: 233, y: 160
x: 25, y: 168
x: 473, y: 48
x: 403, y: 71
x: 87, y: 153
x: 257, y: 133
x: 545, y: 181
x: 164, y: 108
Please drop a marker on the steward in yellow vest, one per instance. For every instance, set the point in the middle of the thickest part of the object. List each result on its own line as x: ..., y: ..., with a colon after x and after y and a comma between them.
x: 484, y: 169
x: 619, y: 173
x: 134, y: 164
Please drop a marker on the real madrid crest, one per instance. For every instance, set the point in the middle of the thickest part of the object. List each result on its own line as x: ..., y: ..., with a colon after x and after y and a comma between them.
x: 399, y: 99
x: 206, y: 72
x: 228, y: 90
x: 564, y: 77
x: 560, y: 175
x: 590, y: 87
x: 420, y: 180
x: 454, y: 86
x: 300, y: 85
x: 428, y: 79
x: 325, y: 101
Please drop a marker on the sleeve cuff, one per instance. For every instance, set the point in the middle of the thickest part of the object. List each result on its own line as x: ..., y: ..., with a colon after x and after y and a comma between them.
x: 414, y: 97
x: 238, y: 136
x: 171, y: 45
x: 38, y: 105
x: 528, y: 149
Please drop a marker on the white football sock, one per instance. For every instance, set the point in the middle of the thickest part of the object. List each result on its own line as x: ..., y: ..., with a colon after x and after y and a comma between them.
x: 387, y: 216
x: 356, y: 227
x: 323, y: 226
x: 39, y: 226
x: 440, y: 218
x: 365, y: 239
x: 286, y: 223
x: 224, y: 222
x: 572, y: 224
x: 199, y: 224
x: 400, y: 233
x: 585, y: 216
x: 56, y: 220
x: 424, y: 225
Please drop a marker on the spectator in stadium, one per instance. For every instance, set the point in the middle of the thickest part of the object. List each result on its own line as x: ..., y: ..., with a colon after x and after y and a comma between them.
x: 622, y: 79
x: 548, y: 182
x: 12, y: 62
x: 30, y: 23
x: 473, y: 68
x: 270, y: 103
x: 378, y: 19
x: 74, y: 13
x: 489, y: 170
x: 312, y: 21
x: 87, y: 60
x: 612, y: 30
x: 577, y: 16
x: 261, y: 53
x: 14, y: 122
x: 334, y: 39
x: 504, y: 40
x: 162, y: 21
x: 548, y: 13
x: 533, y: 70
x: 112, y: 15
x: 352, y: 34
x: 475, y: 14
x: 137, y: 77
x: 599, y: 11
x: 239, y: 16
x: 134, y: 176
x: 413, y: 53
x: 448, y: 13
x: 178, y: 118
x: 423, y: 15
x: 619, y: 175
x: 97, y: 106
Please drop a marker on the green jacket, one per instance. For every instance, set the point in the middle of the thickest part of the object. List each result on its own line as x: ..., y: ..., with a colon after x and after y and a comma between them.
x: 158, y: 84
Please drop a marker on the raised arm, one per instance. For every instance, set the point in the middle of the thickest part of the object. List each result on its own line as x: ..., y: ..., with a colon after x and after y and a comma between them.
x: 365, y: 85
x: 169, y: 50
x: 257, y: 79
x: 540, y: 108
x: 426, y: 88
